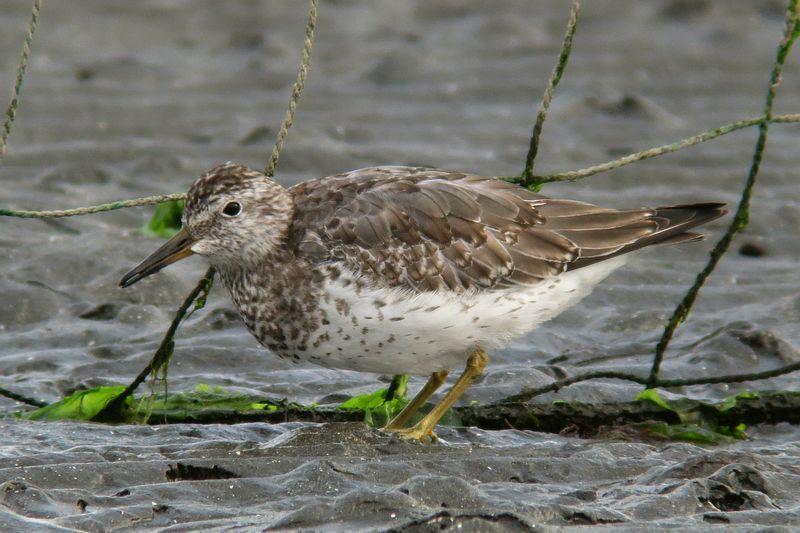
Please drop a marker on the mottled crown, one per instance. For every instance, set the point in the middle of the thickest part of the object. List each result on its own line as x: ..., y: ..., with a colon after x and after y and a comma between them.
x: 225, y: 179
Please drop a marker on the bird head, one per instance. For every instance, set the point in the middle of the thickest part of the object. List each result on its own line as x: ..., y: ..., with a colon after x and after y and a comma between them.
x: 233, y: 215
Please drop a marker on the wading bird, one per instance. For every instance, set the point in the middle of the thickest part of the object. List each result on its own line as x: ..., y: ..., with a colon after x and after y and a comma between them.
x: 405, y: 270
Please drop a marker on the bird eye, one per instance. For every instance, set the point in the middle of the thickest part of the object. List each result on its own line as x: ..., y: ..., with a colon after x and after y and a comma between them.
x: 232, y: 209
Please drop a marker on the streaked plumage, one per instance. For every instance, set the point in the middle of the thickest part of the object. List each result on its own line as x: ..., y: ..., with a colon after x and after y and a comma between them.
x: 426, y: 229
x: 406, y: 269
x: 402, y: 269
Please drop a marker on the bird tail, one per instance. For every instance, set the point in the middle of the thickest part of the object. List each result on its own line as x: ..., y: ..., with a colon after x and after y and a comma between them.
x: 673, y: 225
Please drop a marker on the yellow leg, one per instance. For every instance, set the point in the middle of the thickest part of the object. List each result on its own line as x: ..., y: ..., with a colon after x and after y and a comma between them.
x: 433, y: 383
x: 423, y: 429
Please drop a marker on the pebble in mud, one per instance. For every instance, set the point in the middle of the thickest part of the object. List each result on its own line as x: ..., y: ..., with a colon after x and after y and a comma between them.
x: 753, y: 249
x: 184, y: 472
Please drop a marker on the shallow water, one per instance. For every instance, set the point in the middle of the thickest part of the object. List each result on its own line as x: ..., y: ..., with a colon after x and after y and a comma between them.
x: 131, y: 99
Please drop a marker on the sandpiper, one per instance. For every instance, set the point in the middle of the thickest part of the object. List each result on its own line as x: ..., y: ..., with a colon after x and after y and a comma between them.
x: 405, y: 270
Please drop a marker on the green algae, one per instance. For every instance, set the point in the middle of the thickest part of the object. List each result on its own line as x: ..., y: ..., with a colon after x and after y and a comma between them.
x: 698, y: 420
x: 82, y: 405
x: 166, y: 221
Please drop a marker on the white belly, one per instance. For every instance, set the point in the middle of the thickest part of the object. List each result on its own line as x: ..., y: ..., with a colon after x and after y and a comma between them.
x: 394, y: 331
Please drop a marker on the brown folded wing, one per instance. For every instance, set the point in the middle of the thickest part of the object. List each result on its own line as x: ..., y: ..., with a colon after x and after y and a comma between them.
x: 425, y: 229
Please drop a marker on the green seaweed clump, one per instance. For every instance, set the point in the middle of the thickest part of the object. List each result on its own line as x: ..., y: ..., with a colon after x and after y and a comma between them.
x: 379, y: 407
x: 166, y: 221
x: 82, y: 405
x: 182, y: 406
x: 698, y: 421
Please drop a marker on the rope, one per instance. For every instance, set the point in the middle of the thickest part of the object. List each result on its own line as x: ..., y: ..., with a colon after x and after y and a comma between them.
x: 552, y: 83
x: 11, y: 111
x: 297, y: 90
x: 742, y: 216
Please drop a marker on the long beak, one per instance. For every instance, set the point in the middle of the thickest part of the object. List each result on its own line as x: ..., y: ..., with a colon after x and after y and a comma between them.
x: 173, y: 250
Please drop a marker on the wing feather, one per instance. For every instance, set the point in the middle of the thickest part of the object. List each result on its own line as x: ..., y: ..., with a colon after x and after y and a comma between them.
x: 428, y: 230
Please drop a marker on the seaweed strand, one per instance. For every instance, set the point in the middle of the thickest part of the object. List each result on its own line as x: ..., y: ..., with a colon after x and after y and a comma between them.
x: 527, y: 178
x: 587, y: 419
x: 742, y: 216
x: 528, y: 394
x: 112, y: 410
x: 20, y: 398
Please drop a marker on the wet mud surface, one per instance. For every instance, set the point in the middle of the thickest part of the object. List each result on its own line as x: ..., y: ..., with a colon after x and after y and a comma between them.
x: 345, y: 476
x: 132, y: 99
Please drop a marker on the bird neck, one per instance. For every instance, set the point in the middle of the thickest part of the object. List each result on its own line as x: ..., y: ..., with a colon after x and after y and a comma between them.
x: 275, y: 299
x: 273, y: 265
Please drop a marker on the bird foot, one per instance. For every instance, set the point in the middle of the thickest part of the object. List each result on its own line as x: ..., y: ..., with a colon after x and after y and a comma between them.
x: 414, y: 433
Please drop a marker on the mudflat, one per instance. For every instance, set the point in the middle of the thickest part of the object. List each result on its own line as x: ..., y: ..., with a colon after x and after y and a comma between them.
x: 131, y: 99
